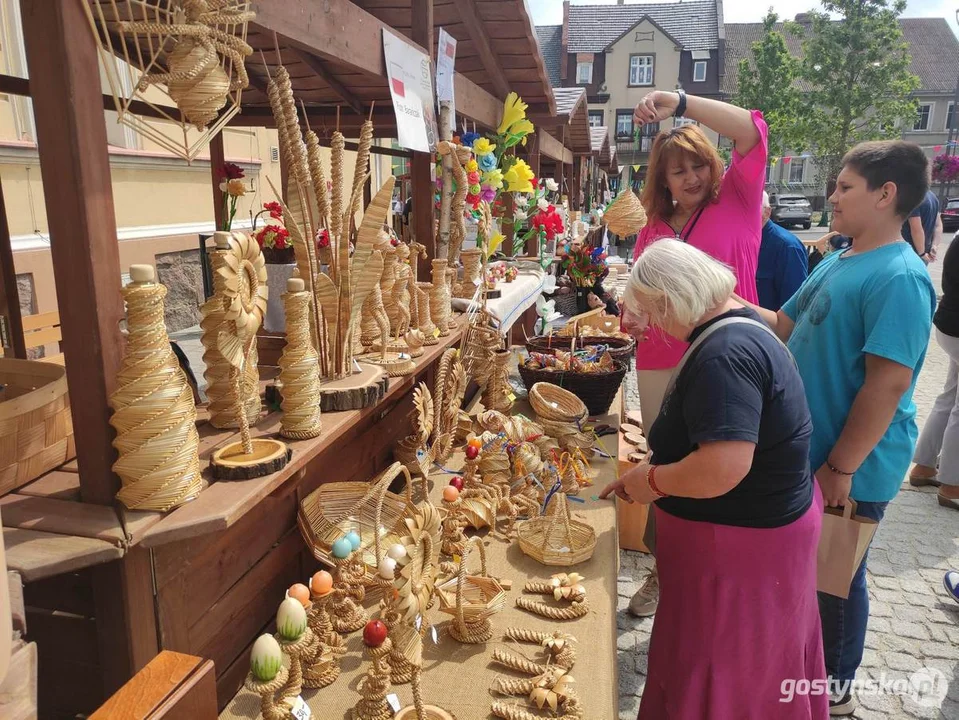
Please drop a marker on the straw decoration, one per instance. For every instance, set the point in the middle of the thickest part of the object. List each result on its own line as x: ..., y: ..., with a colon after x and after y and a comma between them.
x: 299, y: 368
x: 553, y: 403
x: 556, y: 539
x: 337, y: 147
x: 272, y: 702
x: 477, y: 599
x: 153, y: 411
x: 559, y: 645
x: 361, y: 172
x: 317, y: 176
x: 625, y: 215
x: 497, y: 392
x: 440, y: 297
x: 375, y: 685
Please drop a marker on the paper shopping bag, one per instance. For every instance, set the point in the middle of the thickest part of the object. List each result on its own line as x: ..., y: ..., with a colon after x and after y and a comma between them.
x: 842, y: 545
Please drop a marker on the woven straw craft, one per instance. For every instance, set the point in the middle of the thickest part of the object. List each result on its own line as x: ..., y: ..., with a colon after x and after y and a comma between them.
x: 299, y: 368
x: 472, y: 599
x: 416, y: 572
x: 335, y: 508
x: 153, y: 411
x: 556, y: 539
x: 553, y: 403
x: 625, y: 215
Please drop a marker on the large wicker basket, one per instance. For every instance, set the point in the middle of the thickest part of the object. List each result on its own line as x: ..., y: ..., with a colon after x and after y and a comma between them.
x: 619, y: 348
x: 595, y: 389
x: 36, y: 428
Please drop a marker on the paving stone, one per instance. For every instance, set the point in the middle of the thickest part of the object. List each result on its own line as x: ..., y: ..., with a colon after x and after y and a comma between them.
x: 878, y: 609
x: 910, y: 630
x: 902, y: 661
x: 939, y: 650
x: 885, y: 583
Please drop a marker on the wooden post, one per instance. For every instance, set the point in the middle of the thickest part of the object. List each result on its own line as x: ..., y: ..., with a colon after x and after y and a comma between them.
x: 217, y: 160
x: 72, y: 141
x: 421, y: 166
x: 14, y: 344
x: 575, y: 180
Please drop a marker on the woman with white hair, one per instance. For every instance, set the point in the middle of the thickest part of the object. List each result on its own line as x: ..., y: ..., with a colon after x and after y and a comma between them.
x: 737, y: 512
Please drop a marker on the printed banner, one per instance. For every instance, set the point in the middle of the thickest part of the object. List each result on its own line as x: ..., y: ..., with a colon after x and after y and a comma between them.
x: 411, y: 85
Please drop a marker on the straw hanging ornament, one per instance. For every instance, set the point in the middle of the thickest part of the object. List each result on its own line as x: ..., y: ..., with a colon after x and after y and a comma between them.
x: 153, y: 410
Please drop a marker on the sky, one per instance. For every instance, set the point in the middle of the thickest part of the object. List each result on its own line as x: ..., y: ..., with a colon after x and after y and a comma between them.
x: 550, y: 12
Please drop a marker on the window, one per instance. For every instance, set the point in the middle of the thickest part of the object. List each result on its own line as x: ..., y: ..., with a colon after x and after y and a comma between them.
x: 923, y: 118
x: 624, y: 125
x: 797, y: 170
x: 584, y: 73
x: 596, y: 118
x: 950, y: 116
x: 699, y: 71
x: 640, y: 70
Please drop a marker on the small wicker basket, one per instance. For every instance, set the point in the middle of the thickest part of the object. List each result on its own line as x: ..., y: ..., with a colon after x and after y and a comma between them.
x: 556, y: 539
x: 471, y: 599
x: 551, y: 402
x: 36, y: 427
x: 595, y: 389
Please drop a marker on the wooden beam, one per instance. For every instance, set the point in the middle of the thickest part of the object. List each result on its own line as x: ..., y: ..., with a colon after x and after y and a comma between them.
x: 322, y: 72
x: 474, y: 103
x: 217, y: 160
x: 477, y: 32
x: 75, y: 167
x: 553, y: 148
x: 15, y: 345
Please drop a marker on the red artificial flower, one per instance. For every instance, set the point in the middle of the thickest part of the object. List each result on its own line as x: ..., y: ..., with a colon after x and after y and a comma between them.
x: 322, y: 238
x: 394, y: 242
x: 280, y: 241
x: 473, y: 178
x: 549, y: 221
x: 276, y: 210
x: 473, y: 200
x: 231, y: 171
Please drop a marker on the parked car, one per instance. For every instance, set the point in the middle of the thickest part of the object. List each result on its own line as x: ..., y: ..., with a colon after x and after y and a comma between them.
x: 790, y: 210
x: 950, y: 215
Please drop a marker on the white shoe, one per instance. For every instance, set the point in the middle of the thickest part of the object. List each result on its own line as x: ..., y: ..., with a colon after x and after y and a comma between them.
x: 951, y: 583
x: 646, y: 600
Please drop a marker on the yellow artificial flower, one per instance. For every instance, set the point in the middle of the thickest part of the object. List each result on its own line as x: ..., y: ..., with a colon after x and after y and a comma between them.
x: 494, y: 243
x: 236, y: 188
x: 518, y: 178
x: 514, y: 110
x: 493, y: 178
x: 523, y: 127
x: 483, y: 147
x: 471, y: 166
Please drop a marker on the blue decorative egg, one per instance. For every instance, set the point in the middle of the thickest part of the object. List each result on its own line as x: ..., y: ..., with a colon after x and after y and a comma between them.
x: 342, y: 548
x: 354, y: 538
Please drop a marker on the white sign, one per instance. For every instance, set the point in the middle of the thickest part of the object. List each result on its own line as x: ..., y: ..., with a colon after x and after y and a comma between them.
x: 445, y: 60
x: 300, y: 711
x: 411, y: 85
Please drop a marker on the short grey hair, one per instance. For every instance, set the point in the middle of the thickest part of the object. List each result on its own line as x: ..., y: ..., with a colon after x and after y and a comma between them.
x: 672, y: 281
x: 766, y: 200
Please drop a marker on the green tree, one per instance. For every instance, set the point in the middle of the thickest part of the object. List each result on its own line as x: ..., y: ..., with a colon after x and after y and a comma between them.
x: 857, y: 68
x: 767, y: 82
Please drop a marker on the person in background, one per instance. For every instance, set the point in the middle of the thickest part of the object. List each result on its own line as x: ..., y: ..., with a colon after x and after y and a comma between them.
x: 923, y: 228
x: 937, y: 452
x: 689, y: 196
x: 858, y: 329
x: 951, y: 583
x: 738, y: 515
x: 783, y: 262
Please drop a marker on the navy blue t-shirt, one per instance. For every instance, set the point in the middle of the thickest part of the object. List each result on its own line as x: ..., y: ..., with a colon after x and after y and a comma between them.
x: 928, y: 213
x: 741, y: 384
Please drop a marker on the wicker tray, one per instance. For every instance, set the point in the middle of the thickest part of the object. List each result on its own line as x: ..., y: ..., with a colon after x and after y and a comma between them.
x: 595, y: 389
x: 619, y: 348
x: 36, y: 427
x: 555, y: 538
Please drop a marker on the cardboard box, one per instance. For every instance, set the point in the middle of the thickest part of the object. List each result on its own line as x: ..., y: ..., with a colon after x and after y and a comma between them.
x: 630, y: 517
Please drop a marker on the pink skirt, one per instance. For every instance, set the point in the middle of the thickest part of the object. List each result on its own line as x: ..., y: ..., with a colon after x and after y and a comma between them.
x: 737, y: 631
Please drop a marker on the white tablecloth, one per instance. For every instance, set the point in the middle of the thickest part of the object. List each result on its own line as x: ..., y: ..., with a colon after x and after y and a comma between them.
x: 515, y: 299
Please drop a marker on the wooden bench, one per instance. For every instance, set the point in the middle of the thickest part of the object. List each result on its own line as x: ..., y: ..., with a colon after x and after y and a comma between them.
x: 41, y: 330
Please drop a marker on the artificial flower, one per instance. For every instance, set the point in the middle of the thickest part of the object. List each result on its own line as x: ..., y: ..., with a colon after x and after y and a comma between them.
x: 483, y: 147
x: 518, y: 177
x: 234, y: 188
x: 542, y: 204
x: 275, y: 210
x: 519, y: 215
x: 487, y: 162
x: 514, y: 110
x: 521, y: 201
x: 473, y: 200
x: 547, y: 220
x: 494, y: 242
x: 488, y: 194
x: 469, y: 138
x: 552, y: 185
x: 519, y: 131
x: 493, y: 178
x: 475, y: 189
x: 471, y: 165
x: 273, y: 236
x: 473, y: 178
x: 322, y: 238
x: 231, y: 171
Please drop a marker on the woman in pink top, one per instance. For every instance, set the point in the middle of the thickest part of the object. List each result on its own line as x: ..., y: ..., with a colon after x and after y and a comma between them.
x: 688, y: 196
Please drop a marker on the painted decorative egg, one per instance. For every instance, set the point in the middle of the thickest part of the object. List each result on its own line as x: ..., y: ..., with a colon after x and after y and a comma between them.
x: 321, y: 583
x: 450, y: 493
x: 387, y: 568
x: 397, y: 552
x: 375, y: 632
x: 457, y: 482
x: 300, y: 592
x: 266, y: 658
x: 354, y: 538
x: 475, y: 442
x: 341, y: 548
x: 291, y: 619
x: 472, y: 452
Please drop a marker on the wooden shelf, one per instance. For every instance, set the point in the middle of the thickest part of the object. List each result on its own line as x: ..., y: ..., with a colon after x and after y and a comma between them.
x: 36, y: 555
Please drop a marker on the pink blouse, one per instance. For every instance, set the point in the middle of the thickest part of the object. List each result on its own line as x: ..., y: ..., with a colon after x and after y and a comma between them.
x: 729, y: 229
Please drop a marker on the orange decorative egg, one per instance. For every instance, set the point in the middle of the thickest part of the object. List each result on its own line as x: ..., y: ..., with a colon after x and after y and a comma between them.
x: 450, y: 493
x: 321, y: 583
x: 300, y: 592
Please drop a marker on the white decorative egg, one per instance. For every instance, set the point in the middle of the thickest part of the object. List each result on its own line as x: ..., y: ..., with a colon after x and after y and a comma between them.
x: 266, y: 658
x: 387, y: 568
x: 291, y: 619
x: 397, y: 552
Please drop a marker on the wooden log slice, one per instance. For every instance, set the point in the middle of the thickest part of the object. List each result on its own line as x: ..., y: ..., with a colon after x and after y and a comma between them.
x: 268, y: 456
x: 636, y: 457
x: 635, y: 417
x: 363, y: 389
x: 395, y: 364
x: 630, y: 429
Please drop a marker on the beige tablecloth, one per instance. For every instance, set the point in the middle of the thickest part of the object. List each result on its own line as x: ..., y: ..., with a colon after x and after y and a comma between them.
x: 458, y: 677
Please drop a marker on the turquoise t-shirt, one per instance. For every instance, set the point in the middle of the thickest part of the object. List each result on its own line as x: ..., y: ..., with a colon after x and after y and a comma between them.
x: 881, y: 303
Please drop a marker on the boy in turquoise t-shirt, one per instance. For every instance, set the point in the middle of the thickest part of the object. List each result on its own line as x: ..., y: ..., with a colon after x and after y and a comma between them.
x: 859, y: 328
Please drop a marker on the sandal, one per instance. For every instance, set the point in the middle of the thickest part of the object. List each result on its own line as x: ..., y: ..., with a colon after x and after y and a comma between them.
x: 948, y: 502
x: 917, y: 481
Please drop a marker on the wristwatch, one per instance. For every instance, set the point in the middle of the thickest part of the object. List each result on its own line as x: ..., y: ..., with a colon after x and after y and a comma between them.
x: 680, y: 110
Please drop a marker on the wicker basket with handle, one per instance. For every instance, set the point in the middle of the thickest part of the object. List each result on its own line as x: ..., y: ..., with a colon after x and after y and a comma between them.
x: 36, y: 427
x: 555, y: 538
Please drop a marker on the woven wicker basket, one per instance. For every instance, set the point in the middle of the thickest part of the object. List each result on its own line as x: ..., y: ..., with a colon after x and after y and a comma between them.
x: 335, y: 508
x: 36, y: 427
x: 566, y: 304
x: 555, y: 538
x: 619, y: 348
x: 551, y: 402
x: 595, y: 389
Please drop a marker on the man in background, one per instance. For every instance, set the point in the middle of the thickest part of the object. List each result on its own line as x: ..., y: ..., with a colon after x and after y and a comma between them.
x: 923, y: 228
x: 783, y: 263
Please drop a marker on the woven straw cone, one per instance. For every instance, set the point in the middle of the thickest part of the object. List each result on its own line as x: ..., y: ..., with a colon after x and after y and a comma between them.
x: 375, y: 685
x: 219, y: 383
x: 551, y: 402
x: 271, y: 705
x: 153, y: 411
x: 472, y: 260
x: 426, y: 325
x: 299, y: 371
x: 625, y: 215
x: 440, y: 297
x: 496, y: 394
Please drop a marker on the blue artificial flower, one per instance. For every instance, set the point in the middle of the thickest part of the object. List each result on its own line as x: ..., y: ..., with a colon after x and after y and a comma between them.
x: 487, y: 162
x: 469, y: 138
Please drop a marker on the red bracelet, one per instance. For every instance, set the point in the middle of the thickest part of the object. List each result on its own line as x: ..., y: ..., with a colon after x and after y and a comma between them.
x: 651, y: 481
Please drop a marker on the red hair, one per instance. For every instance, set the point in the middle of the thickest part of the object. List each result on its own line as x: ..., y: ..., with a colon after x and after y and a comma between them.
x: 679, y: 143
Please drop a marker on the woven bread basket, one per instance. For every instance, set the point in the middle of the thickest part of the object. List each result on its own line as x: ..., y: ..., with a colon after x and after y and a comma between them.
x: 551, y: 402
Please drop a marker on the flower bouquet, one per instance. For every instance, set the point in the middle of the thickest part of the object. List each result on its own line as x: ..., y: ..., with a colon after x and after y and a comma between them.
x: 233, y: 188
x: 274, y: 239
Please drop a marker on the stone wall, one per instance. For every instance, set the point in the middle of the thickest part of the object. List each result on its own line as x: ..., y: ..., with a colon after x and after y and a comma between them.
x: 182, y: 274
x: 28, y: 302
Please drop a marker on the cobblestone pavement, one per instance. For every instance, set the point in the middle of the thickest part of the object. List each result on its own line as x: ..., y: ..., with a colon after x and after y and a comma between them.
x: 913, y: 623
